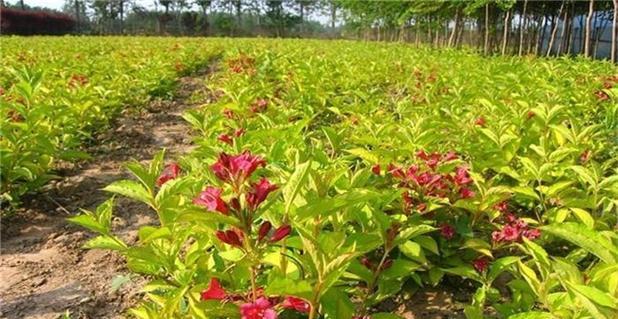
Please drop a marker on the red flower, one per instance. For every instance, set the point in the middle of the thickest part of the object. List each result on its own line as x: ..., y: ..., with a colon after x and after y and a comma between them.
x: 422, y: 155
x: 260, y: 309
x: 496, y: 236
x: 387, y: 264
x: 585, y: 156
x: 433, y: 160
x: 259, y: 192
x: 171, y: 171
x: 281, y: 233
x: 501, y: 206
x: 510, y: 233
x: 461, y: 176
x: 225, y: 139
x: 466, y: 193
x: 601, y: 96
x: 228, y: 113
x: 530, y: 114
x: 480, y: 121
x: 376, y: 169
x: 397, y: 172
x: 366, y: 262
x: 214, y: 291
x: 264, y: 229
x: 447, y: 231
x: 450, y: 156
x: 297, y: 304
x: 480, y: 264
x: 532, y: 234
x: 211, y: 199
x: 239, y: 132
x: 229, y: 237
x: 236, y: 168
x: 259, y: 105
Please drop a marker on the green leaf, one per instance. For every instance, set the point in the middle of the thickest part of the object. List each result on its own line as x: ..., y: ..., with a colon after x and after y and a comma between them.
x: 596, y: 295
x: 499, y: 265
x: 295, y: 183
x: 465, y: 271
x: 90, y: 222
x: 105, y: 242
x: 131, y: 189
x: 586, y: 238
x: 532, y: 315
x: 583, y: 217
x: 365, y: 155
x: 289, y: 287
x: 336, y: 304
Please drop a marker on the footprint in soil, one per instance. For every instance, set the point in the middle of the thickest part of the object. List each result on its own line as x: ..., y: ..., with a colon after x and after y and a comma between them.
x: 43, y: 270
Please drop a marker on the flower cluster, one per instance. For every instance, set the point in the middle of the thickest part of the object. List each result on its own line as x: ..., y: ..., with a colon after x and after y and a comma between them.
x: 259, y: 106
x: 422, y: 181
x: 514, y: 230
x: 242, y: 64
x: 236, y: 170
x: 78, y: 80
x: 255, y: 307
x: 480, y: 264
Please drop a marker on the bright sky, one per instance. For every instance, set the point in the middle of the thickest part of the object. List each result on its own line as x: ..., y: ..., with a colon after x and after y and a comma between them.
x: 57, y: 4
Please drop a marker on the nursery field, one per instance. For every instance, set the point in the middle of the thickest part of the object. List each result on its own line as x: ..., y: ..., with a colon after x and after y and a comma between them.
x: 307, y: 179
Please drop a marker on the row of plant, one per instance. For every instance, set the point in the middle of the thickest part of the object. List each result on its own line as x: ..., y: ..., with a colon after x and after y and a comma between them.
x: 56, y: 92
x: 332, y: 176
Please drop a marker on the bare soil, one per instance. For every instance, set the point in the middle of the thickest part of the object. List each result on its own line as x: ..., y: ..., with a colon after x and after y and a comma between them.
x: 44, y: 272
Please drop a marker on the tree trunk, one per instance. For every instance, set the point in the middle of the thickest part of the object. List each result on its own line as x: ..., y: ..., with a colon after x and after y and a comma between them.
x: 612, y: 52
x: 541, y: 36
x: 565, y: 24
x: 505, y: 36
x: 76, y: 4
x: 555, y: 24
x: 302, y: 17
x: 523, y: 21
x: 588, y: 27
x: 452, y: 37
x: 333, y: 15
x: 121, y: 11
x: 486, y: 42
x: 21, y: 4
x: 597, y: 36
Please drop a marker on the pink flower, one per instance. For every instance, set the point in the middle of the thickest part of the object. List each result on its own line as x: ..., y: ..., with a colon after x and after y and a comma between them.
x: 532, y: 234
x: 259, y: 105
x: 480, y: 121
x: 171, y: 171
x: 480, y: 264
x: 366, y: 262
x: 422, y: 155
x: 501, y: 206
x: 466, y: 193
x: 225, y: 139
x: 376, y: 169
x: 229, y: 237
x: 450, y: 156
x: 447, y: 231
x: 264, y: 229
x: 397, y: 172
x: 211, y: 199
x: 281, y: 233
x: 433, y: 160
x: 260, y: 309
x: 510, y: 233
x: 259, y: 192
x: 236, y: 168
x: 297, y: 304
x: 214, y: 291
x: 496, y: 236
x: 461, y: 176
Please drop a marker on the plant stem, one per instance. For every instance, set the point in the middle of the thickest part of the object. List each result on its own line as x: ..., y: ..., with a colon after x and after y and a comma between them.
x: 253, y: 285
x: 374, y: 279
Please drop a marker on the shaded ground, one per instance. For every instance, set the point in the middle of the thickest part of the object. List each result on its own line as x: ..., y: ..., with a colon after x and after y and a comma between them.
x: 43, y: 270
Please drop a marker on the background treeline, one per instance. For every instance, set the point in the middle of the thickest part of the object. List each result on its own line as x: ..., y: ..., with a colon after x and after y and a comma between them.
x: 503, y: 26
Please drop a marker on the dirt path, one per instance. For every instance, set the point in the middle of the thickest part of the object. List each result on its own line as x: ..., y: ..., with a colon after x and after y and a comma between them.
x: 43, y: 270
